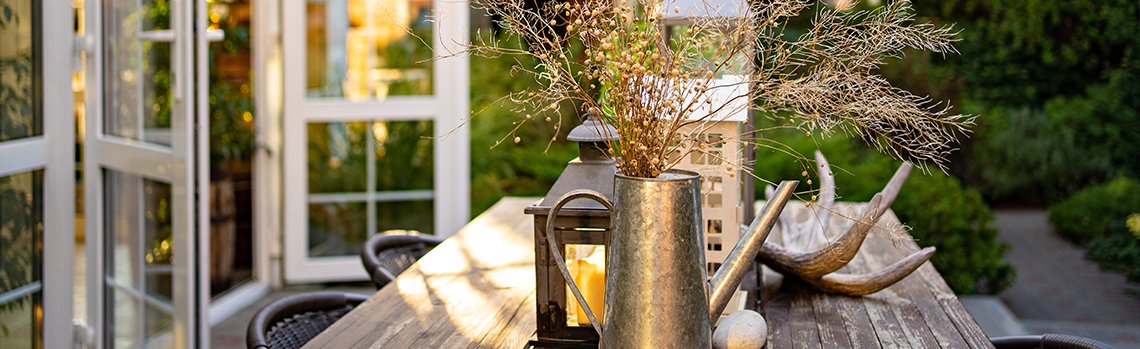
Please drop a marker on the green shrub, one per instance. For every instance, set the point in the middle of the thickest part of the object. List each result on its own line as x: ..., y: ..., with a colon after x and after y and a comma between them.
x: 1098, y: 211
x: 941, y: 213
x: 1098, y: 218
x: 938, y: 209
x: 1026, y: 158
x: 527, y: 168
x: 1057, y: 85
x: 1118, y: 253
x: 1022, y: 53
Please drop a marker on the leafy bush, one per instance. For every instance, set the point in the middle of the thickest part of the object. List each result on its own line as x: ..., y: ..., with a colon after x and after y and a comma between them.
x: 1057, y: 85
x: 938, y: 209
x: 1097, y: 217
x: 1024, y: 157
x: 528, y: 168
x: 1098, y: 211
x: 1120, y: 253
x: 1022, y: 53
x: 956, y: 220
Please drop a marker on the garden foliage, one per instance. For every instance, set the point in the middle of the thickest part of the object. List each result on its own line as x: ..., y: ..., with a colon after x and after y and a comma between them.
x: 528, y: 168
x: 1097, y: 218
x: 1057, y: 85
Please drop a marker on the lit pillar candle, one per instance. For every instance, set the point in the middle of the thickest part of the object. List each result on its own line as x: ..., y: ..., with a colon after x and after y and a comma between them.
x: 591, y: 280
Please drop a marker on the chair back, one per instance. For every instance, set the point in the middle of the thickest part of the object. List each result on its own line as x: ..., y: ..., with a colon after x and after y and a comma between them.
x: 292, y: 321
x: 386, y: 256
x: 1047, y: 341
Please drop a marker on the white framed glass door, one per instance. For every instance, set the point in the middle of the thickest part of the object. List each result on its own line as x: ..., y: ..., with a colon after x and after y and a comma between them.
x: 143, y: 165
x: 372, y: 141
x: 37, y: 174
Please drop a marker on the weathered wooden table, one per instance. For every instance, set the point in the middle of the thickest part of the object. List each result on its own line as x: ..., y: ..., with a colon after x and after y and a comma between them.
x: 477, y: 290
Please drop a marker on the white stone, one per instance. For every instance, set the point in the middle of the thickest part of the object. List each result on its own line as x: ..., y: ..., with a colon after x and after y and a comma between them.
x: 744, y: 329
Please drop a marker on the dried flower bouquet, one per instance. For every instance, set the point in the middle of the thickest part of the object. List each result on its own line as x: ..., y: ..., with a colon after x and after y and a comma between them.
x: 651, y: 81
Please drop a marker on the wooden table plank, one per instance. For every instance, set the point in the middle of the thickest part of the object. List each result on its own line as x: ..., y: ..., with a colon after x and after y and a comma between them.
x: 801, y: 317
x: 898, y: 296
x: 933, y: 286
x: 476, y: 290
x: 779, y: 329
x: 943, y: 332
x: 961, y: 318
x: 466, y: 280
x: 858, y: 324
x: 829, y: 321
x: 516, y: 332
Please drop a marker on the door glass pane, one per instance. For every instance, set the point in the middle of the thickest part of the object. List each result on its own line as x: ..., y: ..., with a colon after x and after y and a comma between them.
x: 19, y: 64
x: 405, y: 215
x: 337, y: 229
x: 366, y: 49
x: 138, y: 70
x: 139, y: 264
x: 21, y: 259
x: 354, y: 193
x: 337, y: 158
x: 403, y: 155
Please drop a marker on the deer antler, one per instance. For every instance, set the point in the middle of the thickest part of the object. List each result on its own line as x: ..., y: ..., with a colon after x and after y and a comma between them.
x: 808, y: 255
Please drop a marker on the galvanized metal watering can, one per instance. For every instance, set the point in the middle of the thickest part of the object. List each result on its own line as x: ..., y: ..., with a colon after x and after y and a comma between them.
x: 656, y: 295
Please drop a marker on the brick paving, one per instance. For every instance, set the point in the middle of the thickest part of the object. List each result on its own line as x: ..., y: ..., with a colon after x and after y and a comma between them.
x: 1058, y: 291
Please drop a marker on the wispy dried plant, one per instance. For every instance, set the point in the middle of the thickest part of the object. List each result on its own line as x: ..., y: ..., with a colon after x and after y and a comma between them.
x: 652, y: 82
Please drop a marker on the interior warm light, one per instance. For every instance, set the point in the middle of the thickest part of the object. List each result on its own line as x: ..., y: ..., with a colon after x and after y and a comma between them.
x: 380, y: 131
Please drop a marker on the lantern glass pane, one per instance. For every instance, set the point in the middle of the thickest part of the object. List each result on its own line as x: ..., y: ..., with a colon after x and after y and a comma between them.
x: 587, y: 265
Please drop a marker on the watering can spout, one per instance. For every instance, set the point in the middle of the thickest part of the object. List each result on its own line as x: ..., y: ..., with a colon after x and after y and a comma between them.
x: 728, y: 277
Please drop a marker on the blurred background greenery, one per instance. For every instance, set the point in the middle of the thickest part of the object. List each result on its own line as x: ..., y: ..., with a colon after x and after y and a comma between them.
x: 1056, y: 85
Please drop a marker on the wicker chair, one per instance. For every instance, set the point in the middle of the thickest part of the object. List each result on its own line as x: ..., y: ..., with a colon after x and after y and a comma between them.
x: 1047, y: 341
x: 292, y: 321
x: 386, y: 256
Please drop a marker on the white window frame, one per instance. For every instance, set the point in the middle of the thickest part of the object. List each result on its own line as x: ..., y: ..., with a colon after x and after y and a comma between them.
x: 448, y: 109
x: 174, y: 164
x: 54, y: 153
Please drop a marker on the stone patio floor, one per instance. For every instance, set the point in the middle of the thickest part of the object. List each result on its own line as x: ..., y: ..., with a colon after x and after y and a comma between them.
x: 1058, y: 291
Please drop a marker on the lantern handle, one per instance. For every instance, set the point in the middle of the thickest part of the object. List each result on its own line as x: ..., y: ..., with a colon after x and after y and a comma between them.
x: 565, y: 199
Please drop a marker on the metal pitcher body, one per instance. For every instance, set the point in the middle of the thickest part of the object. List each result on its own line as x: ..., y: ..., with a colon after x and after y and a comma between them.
x: 656, y: 288
x: 656, y: 292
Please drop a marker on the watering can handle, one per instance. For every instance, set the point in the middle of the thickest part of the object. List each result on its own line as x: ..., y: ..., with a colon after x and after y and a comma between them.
x: 565, y: 199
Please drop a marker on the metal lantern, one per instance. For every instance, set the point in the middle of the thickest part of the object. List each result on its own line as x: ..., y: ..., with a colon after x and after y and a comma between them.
x: 582, y: 227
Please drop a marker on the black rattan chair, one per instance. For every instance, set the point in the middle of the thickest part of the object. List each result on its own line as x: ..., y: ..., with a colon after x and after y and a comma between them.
x: 292, y: 321
x: 386, y: 256
x: 1047, y: 341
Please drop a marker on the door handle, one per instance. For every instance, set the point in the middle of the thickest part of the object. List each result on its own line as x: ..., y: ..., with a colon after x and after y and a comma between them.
x: 167, y: 35
x: 164, y: 35
x: 215, y: 35
x: 80, y: 44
